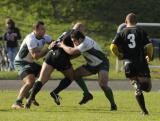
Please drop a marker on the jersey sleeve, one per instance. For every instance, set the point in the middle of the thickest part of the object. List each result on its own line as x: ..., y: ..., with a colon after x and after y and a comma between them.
x: 117, y: 40
x: 31, y: 43
x: 47, y: 38
x: 84, y: 46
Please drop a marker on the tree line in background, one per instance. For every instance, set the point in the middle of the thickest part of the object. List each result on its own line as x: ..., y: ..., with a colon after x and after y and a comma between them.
x: 100, y: 16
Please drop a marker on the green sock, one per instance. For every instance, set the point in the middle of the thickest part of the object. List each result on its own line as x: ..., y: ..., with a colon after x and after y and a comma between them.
x: 18, y: 101
x: 109, y: 94
x: 82, y: 85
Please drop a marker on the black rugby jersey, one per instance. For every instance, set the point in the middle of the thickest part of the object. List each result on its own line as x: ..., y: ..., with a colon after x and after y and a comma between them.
x: 131, y: 42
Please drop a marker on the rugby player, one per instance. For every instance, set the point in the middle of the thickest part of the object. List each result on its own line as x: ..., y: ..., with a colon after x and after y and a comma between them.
x: 97, y: 62
x: 132, y: 46
x: 31, y: 49
x: 58, y: 59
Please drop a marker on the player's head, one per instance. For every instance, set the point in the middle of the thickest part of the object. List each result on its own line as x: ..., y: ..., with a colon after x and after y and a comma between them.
x: 39, y: 29
x: 77, y: 37
x: 79, y: 27
x: 131, y: 19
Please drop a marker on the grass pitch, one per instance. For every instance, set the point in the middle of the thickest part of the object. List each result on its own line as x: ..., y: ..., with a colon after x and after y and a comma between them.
x: 70, y: 110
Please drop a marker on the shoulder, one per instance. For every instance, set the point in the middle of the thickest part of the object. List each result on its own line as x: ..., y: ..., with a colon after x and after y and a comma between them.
x: 30, y: 37
x: 88, y: 42
x: 47, y: 37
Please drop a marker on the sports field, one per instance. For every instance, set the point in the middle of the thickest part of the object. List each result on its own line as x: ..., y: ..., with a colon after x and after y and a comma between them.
x: 70, y: 110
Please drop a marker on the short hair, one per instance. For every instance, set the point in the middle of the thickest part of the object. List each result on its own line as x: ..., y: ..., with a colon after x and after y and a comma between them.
x: 77, y: 25
x: 131, y: 17
x: 10, y: 21
x: 37, y: 24
x: 77, y: 35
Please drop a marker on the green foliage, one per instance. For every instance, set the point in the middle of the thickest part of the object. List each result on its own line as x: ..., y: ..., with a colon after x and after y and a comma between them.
x: 101, y: 18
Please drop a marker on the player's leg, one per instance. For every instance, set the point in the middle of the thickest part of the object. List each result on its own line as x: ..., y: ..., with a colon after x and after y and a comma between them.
x: 79, y: 73
x: 132, y: 71
x: 28, y: 72
x: 28, y: 83
x: 144, y: 83
x: 64, y: 83
x: 43, y: 78
x: 103, y: 82
x: 139, y: 95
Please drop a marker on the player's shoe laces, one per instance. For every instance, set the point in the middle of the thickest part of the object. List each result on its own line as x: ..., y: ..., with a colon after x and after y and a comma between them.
x: 56, y: 98
x: 113, y: 107
x: 86, y: 98
x: 17, y: 105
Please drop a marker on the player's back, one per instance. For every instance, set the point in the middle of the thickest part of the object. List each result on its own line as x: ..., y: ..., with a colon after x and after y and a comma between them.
x: 132, y: 43
x: 60, y: 53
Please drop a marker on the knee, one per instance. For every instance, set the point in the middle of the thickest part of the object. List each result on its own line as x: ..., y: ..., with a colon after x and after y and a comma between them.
x: 103, y: 84
x: 30, y: 81
x: 138, y: 92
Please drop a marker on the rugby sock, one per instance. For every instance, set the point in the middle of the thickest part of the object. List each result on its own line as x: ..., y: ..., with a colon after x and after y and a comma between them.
x: 141, y: 102
x: 109, y: 94
x: 64, y: 83
x: 18, y: 101
x: 82, y: 85
x: 36, y: 88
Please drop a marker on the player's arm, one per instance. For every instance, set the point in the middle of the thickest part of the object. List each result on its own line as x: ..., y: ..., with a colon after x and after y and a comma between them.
x: 148, y: 46
x: 69, y: 50
x: 114, y: 50
x: 37, y: 53
x: 149, y: 51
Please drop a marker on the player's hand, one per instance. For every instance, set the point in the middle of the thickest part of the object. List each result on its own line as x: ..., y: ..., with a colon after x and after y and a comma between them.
x: 52, y: 45
x: 148, y: 59
x: 61, y: 44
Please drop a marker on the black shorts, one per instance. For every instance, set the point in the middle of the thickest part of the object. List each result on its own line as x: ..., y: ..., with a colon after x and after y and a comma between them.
x: 95, y: 69
x: 58, y: 59
x: 25, y: 68
x: 134, y: 69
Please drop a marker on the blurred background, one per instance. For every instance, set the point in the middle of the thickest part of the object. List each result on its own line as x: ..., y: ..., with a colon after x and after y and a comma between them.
x: 101, y: 18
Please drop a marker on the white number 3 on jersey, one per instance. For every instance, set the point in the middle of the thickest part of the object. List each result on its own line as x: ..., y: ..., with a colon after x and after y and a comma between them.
x: 131, y: 38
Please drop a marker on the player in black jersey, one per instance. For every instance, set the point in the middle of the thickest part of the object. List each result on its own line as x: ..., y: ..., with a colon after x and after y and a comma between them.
x: 58, y: 59
x: 132, y: 46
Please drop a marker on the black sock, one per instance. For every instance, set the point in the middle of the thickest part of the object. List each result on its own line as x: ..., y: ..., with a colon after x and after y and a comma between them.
x: 141, y: 102
x: 64, y: 83
x: 36, y: 88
